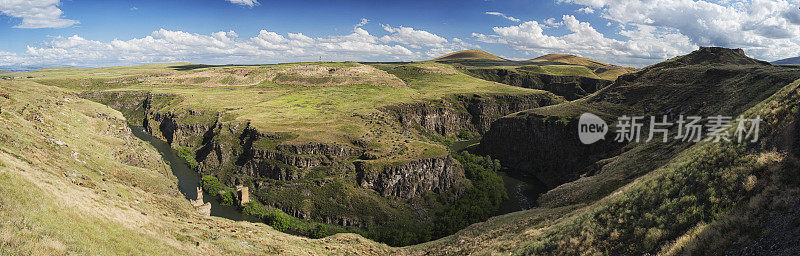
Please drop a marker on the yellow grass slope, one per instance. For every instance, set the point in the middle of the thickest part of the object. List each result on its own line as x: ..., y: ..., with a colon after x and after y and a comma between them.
x: 74, y: 180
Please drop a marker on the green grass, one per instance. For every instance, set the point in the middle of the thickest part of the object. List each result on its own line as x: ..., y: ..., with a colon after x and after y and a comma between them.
x: 341, y: 104
x: 468, y: 55
x: 656, y: 198
x: 73, y: 181
x: 569, y: 70
x: 326, y: 103
x: 187, y: 154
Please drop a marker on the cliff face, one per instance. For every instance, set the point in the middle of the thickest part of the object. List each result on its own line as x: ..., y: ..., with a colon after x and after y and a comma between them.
x: 548, y: 148
x: 569, y: 87
x: 544, y: 142
x: 238, y: 153
x: 410, y: 179
x: 467, y: 113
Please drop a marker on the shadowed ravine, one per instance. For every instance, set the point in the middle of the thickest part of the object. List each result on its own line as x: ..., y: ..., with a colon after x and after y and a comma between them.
x: 188, y: 179
x: 522, y: 190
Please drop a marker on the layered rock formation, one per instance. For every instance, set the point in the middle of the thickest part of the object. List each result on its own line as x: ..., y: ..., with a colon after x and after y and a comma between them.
x: 412, y: 178
x: 238, y: 153
x: 467, y: 113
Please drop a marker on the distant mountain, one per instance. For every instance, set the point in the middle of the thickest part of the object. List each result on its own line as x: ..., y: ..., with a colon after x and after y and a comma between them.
x: 7, y: 69
x: 787, y: 61
x: 474, y: 54
x: 569, y: 59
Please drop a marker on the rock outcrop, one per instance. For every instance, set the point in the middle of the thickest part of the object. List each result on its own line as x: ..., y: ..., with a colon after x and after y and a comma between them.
x: 410, y: 179
x: 544, y: 142
x: 238, y: 153
x: 548, y: 148
x: 472, y: 113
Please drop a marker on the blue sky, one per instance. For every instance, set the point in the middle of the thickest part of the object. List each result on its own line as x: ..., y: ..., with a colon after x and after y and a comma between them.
x: 43, y: 33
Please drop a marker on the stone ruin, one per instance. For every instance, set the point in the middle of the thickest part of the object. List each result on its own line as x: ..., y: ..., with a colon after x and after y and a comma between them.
x: 242, y: 194
x: 203, y: 208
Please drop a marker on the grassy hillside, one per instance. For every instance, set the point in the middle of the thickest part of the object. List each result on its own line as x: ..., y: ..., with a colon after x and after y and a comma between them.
x: 73, y: 180
x: 316, y: 139
x: 569, y: 59
x: 474, y: 54
x: 667, y: 199
x: 568, y: 76
x: 612, y: 72
x: 787, y: 61
x: 318, y: 102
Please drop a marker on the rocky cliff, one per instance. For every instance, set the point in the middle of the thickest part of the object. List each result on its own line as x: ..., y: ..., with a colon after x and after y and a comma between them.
x: 467, y: 113
x: 238, y: 153
x: 548, y: 147
x: 411, y: 179
x: 544, y: 142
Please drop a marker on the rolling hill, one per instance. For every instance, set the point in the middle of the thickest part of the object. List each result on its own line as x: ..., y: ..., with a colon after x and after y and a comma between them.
x: 569, y: 59
x: 474, y: 54
x: 629, y: 193
x: 569, y: 76
x: 787, y: 61
x: 75, y: 181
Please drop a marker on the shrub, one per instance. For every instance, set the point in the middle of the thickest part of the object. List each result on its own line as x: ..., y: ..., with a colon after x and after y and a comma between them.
x: 480, y: 201
x: 318, y: 231
x: 283, y: 222
x: 212, y: 185
x: 187, y: 154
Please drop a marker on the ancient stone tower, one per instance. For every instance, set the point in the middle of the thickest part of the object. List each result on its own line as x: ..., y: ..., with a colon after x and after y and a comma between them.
x: 202, y: 207
x: 243, y: 194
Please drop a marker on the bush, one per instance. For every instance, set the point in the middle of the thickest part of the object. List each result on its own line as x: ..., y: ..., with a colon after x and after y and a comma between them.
x: 480, y: 201
x: 283, y: 222
x: 212, y: 185
x: 318, y: 231
x: 187, y: 154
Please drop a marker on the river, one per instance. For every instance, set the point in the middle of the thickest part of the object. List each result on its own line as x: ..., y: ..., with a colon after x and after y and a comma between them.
x: 522, y: 190
x: 188, y: 179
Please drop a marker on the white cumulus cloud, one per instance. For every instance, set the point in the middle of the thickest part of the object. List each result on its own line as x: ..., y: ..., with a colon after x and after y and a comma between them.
x: 36, y: 13
x: 766, y: 29
x: 225, y: 47
x: 249, y: 3
x: 503, y: 15
x: 412, y: 37
x: 586, y: 10
x: 646, y: 45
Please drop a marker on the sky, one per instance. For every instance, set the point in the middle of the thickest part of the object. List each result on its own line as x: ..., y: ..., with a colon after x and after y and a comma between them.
x: 49, y: 33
